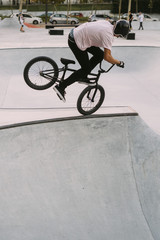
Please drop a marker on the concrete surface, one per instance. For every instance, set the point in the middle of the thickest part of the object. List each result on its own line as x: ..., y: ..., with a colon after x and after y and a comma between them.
x: 10, y: 116
x: 137, y: 85
x: 90, y: 178
x: 73, y: 177
x: 39, y: 37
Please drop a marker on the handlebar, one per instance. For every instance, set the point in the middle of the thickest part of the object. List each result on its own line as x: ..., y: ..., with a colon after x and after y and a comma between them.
x: 105, y: 71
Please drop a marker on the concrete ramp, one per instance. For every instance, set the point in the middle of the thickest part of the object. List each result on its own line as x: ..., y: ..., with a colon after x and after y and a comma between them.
x: 10, y: 24
x: 95, y: 178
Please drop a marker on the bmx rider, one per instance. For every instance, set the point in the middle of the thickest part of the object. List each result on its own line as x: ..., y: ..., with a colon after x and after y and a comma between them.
x: 87, y: 38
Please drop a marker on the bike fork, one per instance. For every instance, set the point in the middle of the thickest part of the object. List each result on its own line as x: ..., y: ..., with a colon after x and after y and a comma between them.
x: 90, y: 96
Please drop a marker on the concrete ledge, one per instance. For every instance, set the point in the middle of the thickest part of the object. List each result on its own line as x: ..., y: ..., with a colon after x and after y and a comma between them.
x: 56, y: 32
x: 60, y: 25
x: 18, y: 117
x: 131, y: 36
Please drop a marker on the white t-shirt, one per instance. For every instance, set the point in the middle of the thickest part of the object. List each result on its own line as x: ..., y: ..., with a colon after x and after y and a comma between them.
x: 141, y: 17
x: 97, y: 34
x: 21, y: 20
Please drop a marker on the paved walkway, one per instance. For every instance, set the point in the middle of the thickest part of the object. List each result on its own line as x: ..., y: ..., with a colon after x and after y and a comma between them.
x: 11, y: 37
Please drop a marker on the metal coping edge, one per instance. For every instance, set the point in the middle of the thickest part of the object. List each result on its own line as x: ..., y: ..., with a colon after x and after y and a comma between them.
x: 62, y: 119
x: 30, y: 48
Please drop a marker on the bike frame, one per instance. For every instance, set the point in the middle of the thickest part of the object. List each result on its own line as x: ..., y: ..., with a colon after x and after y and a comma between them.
x: 93, y: 95
x: 96, y: 76
x: 65, y: 68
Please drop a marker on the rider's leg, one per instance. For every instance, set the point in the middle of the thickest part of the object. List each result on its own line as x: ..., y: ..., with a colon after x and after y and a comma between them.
x: 83, y: 60
x: 86, y: 64
x: 98, y: 55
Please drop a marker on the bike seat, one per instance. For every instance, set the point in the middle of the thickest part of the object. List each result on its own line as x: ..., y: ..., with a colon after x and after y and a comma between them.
x: 67, y: 61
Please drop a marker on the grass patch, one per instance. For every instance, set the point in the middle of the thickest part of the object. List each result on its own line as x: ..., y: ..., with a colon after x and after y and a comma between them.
x: 74, y: 7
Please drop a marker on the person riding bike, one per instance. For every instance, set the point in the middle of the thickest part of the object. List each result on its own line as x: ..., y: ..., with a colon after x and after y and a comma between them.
x: 87, y: 38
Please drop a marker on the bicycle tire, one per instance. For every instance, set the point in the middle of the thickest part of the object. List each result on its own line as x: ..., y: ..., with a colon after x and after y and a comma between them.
x: 87, y: 103
x: 35, y: 70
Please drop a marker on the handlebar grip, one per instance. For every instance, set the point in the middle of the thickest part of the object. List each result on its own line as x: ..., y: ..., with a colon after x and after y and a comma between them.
x: 121, y: 64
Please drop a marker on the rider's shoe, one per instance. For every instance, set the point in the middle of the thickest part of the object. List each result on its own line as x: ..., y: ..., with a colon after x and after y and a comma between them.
x: 60, y: 92
x: 87, y: 81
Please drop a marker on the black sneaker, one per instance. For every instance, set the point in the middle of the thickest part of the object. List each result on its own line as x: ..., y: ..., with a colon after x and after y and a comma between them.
x: 60, y: 92
x: 87, y: 81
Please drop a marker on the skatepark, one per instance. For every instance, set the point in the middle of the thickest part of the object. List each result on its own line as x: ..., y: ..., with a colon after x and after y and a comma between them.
x: 66, y: 176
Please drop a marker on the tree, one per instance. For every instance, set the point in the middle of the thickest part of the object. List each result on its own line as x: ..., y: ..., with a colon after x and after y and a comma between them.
x: 20, y: 5
x: 120, y: 6
x: 55, y: 2
x: 150, y: 5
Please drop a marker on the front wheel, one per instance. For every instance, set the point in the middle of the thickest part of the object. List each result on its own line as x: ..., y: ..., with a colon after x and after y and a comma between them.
x: 40, y: 73
x: 90, y: 99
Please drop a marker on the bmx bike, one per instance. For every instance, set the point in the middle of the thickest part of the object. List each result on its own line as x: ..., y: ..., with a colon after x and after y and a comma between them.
x: 42, y: 72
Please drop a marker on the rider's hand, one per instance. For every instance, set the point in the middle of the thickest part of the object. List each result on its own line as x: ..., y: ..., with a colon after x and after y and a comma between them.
x: 121, y: 64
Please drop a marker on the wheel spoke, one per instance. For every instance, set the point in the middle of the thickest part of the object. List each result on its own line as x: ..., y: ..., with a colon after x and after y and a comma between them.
x: 90, y: 99
x: 41, y: 73
x: 88, y: 103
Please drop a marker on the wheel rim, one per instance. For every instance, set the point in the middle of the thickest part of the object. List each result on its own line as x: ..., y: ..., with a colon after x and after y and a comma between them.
x: 37, y: 71
x: 87, y: 103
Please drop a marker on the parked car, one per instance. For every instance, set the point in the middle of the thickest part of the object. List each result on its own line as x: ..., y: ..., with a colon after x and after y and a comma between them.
x: 96, y: 17
x: 76, y: 14
x: 125, y: 16
x: 43, y: 15
x: 147, y: 17
x: 28, y: 18
x: 62, y: 19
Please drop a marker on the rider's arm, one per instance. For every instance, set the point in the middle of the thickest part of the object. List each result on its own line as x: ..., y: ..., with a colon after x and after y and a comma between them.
x: 108, y: 57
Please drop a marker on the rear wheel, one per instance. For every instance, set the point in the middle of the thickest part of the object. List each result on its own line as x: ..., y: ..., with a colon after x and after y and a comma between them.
x: 90, y: 99
x: 40, y: 73
x: 35, y: 22
x: 54, y: 22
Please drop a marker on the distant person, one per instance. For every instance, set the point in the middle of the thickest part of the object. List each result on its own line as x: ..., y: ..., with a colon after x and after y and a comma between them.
x: 87, y: 38
x: 130, y: 20
x: 21, y: 21
x: 141, y: 18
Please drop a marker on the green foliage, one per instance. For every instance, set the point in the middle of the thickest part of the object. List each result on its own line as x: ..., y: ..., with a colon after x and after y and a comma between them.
x: 56, y: 2
x: 146, y: 6
x: 73, y: 7
x: 2, y: 16
x: 8, y: 7
x: 82, y: 19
